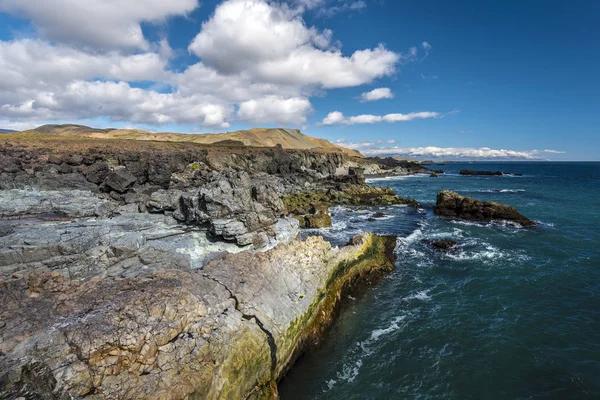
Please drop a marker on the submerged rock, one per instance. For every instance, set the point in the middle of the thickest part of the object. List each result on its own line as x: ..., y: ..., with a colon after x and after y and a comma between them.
x: 472, y: 172
x: 451, y: 204
x: 441, y: 244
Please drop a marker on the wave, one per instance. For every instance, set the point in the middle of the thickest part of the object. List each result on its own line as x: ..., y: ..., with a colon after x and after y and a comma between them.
x: 499, y: 190
x: 395, y: 178
x: 351, y: 369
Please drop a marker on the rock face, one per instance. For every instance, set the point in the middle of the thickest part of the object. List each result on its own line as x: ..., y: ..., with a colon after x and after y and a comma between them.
x: 227, y: 331
x: 168, y: 271
x: 451, y: 204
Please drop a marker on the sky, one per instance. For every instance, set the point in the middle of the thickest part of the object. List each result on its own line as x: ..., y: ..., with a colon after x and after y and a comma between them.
x: 420, y: 78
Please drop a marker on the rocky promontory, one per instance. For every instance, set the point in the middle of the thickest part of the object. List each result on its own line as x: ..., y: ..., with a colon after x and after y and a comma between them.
x: 452, y: 204
x: 141, y: 269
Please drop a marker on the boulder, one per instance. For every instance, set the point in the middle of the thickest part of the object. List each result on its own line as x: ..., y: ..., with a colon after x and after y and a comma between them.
x: 97, y: 172
x: 433, y: 175
x: 321, y: 220
x: 120, y: 180
x: 451, y: 204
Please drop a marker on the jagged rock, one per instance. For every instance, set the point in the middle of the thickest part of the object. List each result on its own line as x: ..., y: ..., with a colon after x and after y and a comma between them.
x: 378, y: 214
x: 164, y: 200
x: 451, y: 204
x: 233, y: 204
x: 97, y: 172
x: 433, y: 175
x: 119, y: 180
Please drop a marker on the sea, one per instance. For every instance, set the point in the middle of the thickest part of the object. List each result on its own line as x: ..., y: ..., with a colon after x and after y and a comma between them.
x: 509, y: 313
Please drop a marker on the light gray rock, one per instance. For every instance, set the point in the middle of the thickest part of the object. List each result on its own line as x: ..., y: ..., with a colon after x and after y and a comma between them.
x: 74, y: 203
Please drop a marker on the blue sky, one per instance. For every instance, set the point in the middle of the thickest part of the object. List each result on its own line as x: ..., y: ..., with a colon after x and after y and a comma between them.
x: 493, y: 79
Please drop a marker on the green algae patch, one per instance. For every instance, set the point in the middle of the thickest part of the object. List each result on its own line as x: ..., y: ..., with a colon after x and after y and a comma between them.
x: 305, y: 205
x: 351, y: 270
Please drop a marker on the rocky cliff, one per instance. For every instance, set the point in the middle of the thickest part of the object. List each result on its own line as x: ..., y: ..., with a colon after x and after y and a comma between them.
x: 136, y: 269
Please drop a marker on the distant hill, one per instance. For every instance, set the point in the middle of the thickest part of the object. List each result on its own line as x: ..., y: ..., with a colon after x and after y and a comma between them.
x: 7, y: 131
x: 257, y: 137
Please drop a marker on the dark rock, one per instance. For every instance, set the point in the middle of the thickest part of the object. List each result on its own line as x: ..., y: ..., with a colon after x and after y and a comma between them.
x: 64, y: 168
x: 433, y: 175
x: 97, y: 172
x: 451, y: 204
x: 486, y: 173
x: 54, y: 159
x: 120, y: 180
x: 378, y: 214
x: 443, y: 244
x: 438, y: 171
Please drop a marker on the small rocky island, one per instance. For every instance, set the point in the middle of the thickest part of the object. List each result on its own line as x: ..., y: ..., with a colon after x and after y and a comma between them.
x: 150, y: 268
x: 453, y: 205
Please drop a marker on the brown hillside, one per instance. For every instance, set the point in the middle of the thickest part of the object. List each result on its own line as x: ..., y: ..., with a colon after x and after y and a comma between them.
x: 257, y: 137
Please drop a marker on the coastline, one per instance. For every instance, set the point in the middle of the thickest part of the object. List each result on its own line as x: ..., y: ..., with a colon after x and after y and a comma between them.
x: 136, y: 224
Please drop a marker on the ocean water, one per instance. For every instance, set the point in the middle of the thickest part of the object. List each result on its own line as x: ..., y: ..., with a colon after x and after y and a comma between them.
x: 510, y: 313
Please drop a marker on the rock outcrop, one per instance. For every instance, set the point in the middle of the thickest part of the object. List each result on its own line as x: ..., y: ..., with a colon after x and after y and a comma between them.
x: 226, y: 331
x: 451, y: 204
x: 169, y: 270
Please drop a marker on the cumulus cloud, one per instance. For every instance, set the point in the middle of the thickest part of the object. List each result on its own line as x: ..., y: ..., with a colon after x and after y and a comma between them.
x: 271, y: 43
x: 96, y: 23
x: 337, y: 118
x: 377, y: 94
x: 452, y: 152
x: 265, y: 110
x: 259, y: 63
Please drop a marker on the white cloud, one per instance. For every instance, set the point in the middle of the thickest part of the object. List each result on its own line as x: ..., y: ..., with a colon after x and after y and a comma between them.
x: 427, y: 47
x: 271, y: 43
x: 336, y: 118
x: 377, y: 94
x: 265, y: 110
x: 260, y: 63
x: 96, y: 23
x: 453, y: 152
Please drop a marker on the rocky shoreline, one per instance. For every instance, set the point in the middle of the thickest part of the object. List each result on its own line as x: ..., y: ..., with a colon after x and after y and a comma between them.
x: 137, y: 270
x: 133, y: 269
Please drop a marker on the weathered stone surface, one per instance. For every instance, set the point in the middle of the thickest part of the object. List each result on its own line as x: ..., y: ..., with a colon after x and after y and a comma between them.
x: 75, y: 203
x: 315, y: 221
x: 122, y: 245
x: 224, y: 332
x: 120, y: 180
x: 97, y: 172
x: 234, y: 204
x: 451, y: 204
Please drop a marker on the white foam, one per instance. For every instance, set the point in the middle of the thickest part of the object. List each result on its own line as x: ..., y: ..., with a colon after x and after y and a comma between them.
x: 395, y: 178
x: 420, y: 295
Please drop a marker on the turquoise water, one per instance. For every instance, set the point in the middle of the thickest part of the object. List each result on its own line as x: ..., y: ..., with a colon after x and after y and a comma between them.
x: 509, y: 314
